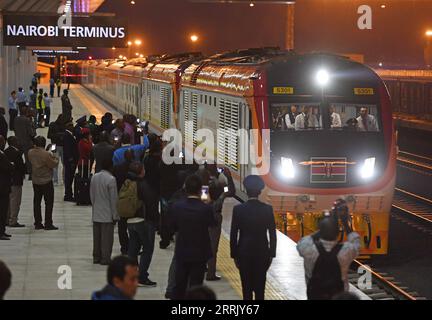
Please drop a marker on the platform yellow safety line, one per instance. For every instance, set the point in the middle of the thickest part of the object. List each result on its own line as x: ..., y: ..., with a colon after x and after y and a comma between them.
x: 230, y: 272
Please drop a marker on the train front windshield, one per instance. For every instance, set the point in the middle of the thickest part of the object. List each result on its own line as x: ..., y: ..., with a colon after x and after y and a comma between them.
x: 332, y: 116
x: 326, y: 144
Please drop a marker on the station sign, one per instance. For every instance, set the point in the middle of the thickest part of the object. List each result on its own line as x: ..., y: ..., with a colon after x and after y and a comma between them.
x: 57, y: 52
x: 43, y: 31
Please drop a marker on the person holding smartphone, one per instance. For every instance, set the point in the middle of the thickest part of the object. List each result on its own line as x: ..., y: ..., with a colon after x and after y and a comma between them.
x: 217, y: 191
x: 43, y: 163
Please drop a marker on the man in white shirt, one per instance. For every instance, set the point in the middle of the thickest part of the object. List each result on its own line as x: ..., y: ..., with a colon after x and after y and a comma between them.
x: 302, y: 120
x: 366, y: 121
x: 335, y: 118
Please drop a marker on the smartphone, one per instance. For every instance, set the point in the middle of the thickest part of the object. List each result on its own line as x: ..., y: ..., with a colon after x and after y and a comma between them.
x: 220, y: 170
x: 225, y: 189
x: 53, y: 147
x: 113, y: 121
x: 205, y: 193
x: 116, y: 139
x: 44, y: 116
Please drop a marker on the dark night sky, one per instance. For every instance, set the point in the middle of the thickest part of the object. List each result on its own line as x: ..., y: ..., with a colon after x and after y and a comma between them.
x: 321, y: 25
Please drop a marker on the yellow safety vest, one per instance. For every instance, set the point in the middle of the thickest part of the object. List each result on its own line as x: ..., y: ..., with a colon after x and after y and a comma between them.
x: 37, y: 102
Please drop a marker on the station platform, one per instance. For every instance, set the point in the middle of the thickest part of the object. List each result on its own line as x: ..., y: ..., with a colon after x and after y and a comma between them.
x: 402, y: 120
x: 34, y: 256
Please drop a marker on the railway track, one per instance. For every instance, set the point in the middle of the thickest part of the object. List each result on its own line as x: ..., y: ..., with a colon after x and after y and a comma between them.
x: 415, y: 162
x: 410, y: 209
x: 413, y: 209
x: 383, y: 286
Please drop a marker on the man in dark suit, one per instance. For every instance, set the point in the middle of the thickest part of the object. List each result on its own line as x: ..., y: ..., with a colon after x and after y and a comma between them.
x: 70, y: 159
x: 6, y: 168
x: 191, y: 219
x: 251, y: 250
x: 66, y: 106
x: 16, y: 157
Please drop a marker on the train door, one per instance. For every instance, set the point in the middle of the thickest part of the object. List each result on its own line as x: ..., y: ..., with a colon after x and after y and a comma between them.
x: 244, y: 144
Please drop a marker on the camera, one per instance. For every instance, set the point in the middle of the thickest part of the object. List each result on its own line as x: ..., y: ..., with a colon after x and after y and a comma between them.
x: 340, y: 210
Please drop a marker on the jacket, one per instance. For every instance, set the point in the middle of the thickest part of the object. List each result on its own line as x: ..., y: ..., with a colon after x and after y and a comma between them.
x: 84, y: 148
x: 70, y: 149
x: 3, y: 126
x: 109, y: 292
x: 249, y: 225
x: 150, y: 210
x: 104, y: 196
x: 24, y: 131
x: 6, y: 168
x: 139, y: 150
x: 40, y: 102
x: 349, y: 251
x: 15, y: 156
x: 43, y: 162
x: 191, y: 218
x: 56, y: 133
x: 103, y: 150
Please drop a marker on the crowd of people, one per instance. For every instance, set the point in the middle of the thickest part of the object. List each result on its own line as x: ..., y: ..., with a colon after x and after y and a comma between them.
x: 133, y: 188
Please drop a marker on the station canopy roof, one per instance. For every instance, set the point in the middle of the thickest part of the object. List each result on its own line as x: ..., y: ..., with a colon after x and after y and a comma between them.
x: 48, y: 6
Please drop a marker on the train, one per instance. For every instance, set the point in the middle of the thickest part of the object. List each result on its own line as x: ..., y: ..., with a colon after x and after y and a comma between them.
x: 410, y: 92
x: 306, y: 166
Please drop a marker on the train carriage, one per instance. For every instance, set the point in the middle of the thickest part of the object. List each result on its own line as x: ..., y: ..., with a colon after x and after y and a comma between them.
x: 309, y: 166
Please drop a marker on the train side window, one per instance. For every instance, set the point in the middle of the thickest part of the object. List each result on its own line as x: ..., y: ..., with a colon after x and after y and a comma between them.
x: 214, y: 101
x: 201, y: 98
x: 205, y: 99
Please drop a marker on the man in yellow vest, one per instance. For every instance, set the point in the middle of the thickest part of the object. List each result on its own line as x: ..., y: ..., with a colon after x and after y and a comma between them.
x: 40, y: 107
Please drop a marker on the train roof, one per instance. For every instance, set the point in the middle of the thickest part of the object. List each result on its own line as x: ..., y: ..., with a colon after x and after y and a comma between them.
x: 234, y: 72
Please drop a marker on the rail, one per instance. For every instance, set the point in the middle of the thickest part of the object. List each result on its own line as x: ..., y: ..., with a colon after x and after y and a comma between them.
x: 385, y: 284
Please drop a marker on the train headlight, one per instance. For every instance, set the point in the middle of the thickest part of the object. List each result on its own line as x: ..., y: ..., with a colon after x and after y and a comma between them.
x: 322, y: 77
x: 368, y: 169
x: 287, y: 168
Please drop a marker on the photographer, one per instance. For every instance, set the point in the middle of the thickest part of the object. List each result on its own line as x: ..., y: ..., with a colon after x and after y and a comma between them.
x: 326, y: 260
x: 43, y: 163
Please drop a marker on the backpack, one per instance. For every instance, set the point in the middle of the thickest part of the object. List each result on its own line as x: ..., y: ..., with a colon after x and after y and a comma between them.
x: 326, y: 280
x: 128, y: 203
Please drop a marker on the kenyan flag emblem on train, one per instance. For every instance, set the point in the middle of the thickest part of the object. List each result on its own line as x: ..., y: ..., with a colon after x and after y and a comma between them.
x: 328, y: 170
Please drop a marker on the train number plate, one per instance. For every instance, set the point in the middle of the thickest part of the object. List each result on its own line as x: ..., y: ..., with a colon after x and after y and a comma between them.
x: 328, y: 170
x: 283, y: 90
x: 364, y: 91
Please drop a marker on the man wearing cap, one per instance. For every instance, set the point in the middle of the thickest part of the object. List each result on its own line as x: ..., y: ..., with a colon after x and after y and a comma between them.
x: 251, y: 250
x: 66, y: 106
x: 81, y: 123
